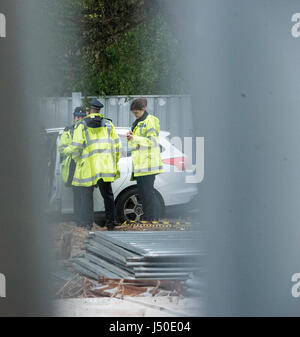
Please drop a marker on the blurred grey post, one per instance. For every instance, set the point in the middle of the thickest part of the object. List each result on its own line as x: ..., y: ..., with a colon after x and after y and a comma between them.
x: 243, y: 66
x: 24, y: 260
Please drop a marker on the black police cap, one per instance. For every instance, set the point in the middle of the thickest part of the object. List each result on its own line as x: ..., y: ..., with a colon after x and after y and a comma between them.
x: 94, y: 103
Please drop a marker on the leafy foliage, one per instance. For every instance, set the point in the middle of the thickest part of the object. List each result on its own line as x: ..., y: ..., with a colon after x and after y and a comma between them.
x: 120, y: 47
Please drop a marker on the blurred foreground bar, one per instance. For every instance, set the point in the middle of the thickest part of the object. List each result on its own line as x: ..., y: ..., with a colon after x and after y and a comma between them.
x: 24, y: 256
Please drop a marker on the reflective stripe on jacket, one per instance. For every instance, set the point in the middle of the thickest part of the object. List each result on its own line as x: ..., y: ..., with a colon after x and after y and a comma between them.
x: 96, y: 150
x: 145, y: 147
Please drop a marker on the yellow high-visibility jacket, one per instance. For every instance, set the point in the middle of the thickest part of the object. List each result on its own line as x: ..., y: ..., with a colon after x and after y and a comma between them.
x: 96, y: 150
x: 145, y: 147
x: 68, y: 166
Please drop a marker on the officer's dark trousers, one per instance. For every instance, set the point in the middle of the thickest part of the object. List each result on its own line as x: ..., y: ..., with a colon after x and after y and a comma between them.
x: 76, y: 202
x: 109, y: 201
x: 145, y: 185
x: 86, y: 206
x: 87, y: 203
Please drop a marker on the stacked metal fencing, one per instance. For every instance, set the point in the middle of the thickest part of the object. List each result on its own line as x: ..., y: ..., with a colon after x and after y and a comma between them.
x: 171, y: 255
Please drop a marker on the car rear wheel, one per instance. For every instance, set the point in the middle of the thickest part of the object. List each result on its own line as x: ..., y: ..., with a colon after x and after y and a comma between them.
x: 129, y: 207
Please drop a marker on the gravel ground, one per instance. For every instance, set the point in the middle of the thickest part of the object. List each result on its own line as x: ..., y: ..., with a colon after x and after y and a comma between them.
x: 78, y: 237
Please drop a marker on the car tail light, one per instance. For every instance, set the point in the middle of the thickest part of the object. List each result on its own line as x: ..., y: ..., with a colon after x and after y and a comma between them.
x: 179, y: 162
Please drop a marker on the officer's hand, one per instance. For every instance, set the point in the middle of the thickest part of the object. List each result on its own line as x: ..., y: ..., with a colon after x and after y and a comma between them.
x: 129, y: 135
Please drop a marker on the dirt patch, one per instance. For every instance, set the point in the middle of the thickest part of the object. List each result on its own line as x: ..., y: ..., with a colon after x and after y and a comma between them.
x: 59, y: 231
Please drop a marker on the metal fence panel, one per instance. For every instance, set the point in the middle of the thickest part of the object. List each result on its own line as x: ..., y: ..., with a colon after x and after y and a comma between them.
x: 173, y: 111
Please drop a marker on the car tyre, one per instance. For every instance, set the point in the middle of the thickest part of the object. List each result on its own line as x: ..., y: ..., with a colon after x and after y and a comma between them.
x: 128, y: 206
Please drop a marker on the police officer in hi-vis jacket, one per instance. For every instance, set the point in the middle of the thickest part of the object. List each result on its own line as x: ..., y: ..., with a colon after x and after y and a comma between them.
x: 96, y: 150
x: 144, y: 142
x: 68, y: 164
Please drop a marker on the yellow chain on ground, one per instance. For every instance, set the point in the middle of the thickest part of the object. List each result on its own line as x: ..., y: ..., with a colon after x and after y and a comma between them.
x: 154, y: 225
